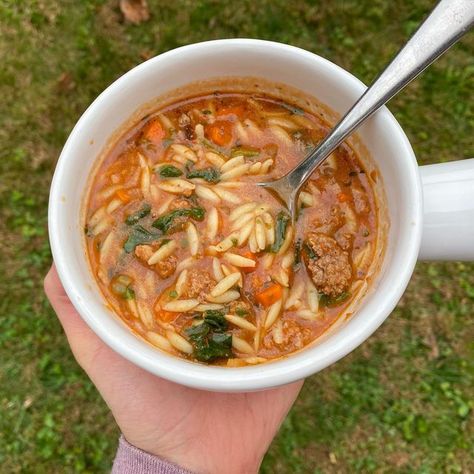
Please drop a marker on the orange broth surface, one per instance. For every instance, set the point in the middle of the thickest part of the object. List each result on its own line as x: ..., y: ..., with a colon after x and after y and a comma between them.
x: 174, y: 217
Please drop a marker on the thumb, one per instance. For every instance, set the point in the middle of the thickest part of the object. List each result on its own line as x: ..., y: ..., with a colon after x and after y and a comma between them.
x: 84, y: 343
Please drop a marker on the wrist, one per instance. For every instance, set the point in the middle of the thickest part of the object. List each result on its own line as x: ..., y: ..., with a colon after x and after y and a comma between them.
x: 133, y: 460
x: 198, y: 458
x: 205, y: 463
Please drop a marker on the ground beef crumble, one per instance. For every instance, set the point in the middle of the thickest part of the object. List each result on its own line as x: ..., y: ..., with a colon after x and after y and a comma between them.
x: 143, y: 252
x: 164, y: 269
x: 199, y: 284
x: 294, y: 336
x: 330, y: 268
x: 180, y: 203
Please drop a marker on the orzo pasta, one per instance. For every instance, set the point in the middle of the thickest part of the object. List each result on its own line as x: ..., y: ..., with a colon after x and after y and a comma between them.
x: 205, y: 265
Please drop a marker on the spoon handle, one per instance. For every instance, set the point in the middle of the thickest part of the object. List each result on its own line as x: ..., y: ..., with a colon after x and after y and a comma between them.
x: 449, y: 20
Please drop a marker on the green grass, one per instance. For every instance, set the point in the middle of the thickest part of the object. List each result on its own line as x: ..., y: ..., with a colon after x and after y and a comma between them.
x: 402, y: 402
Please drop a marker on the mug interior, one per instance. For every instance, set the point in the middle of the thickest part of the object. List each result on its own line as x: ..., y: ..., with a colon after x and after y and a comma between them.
x: 332, y: 86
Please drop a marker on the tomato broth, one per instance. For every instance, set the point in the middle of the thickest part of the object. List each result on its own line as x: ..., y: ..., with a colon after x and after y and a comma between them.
x: 205, y: 265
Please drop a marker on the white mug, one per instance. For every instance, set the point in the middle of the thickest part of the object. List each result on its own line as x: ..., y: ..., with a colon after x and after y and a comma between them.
x: 431, y: 209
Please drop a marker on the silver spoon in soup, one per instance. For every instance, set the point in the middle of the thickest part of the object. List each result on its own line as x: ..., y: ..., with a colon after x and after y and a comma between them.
x: 446, y: 24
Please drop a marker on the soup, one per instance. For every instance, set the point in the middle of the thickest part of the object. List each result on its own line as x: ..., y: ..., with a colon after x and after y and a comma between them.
x: 205, y: 265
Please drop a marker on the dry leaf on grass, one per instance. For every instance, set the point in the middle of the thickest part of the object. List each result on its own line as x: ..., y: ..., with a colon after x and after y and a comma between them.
x: 65, y: 82
x: 135, y: 11
x: 432, y: 343
x: 145, y: 55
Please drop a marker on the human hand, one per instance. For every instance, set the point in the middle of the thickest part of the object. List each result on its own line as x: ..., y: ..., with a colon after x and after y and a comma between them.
x: 201, y: 431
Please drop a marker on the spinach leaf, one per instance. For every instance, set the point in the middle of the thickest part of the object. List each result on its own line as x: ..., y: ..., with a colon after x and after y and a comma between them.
x: 244, y: 151
x: 167, y: 142
x: 211, y: 145
x: 165, y: 222
x: 140, y: 214
x: 139, y: 235
x: 169, y: 171
x: 197, y: 332
x: 216, y: 320
x: 216, y: 346
x: 309, y: 251
x: 293, y: 110
x: 211, y: 175
x: 209, y: 339
x: 282, y: 221
x: 325, y: 300
x: 297, y: 259
x: 297, y: 255
x: 242, y: 312
x: 121, y: 286
x: 129, y: 293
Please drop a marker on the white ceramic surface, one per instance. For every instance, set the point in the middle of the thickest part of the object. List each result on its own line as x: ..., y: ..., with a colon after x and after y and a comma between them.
x: 312, y: 74
x: 448, y: 228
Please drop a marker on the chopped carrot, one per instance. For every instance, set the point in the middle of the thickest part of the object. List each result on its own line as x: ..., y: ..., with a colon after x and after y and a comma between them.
x: 165, y: 316
x: 237, y: 110
x: 248, y: 254
x: 343, y: 197
x: 219, y: 132
x: 153, y: 131
x: 123, y: 195
x: 269, y: 295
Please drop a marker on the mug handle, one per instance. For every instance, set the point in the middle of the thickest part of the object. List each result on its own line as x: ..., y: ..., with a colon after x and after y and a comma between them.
x: 448, y: 228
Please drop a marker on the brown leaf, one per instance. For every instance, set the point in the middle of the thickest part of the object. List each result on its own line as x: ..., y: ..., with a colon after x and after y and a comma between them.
x: 65, y: 82
x: 145, y: 55
x: 432, y: 344
x: 27, y: 402
x: 135, y: 11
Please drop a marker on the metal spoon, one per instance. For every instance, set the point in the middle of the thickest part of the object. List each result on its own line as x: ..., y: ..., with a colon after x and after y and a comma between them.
x: 449, y: 20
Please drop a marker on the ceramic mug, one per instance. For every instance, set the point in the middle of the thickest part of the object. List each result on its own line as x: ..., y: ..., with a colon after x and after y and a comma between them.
x: 431, y: 209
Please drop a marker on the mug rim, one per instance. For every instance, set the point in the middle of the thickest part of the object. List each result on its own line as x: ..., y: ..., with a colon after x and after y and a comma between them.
x: 271, y: 374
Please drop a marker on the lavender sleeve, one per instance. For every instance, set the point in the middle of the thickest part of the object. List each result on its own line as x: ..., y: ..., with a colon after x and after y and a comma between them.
x: 132, y: 460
